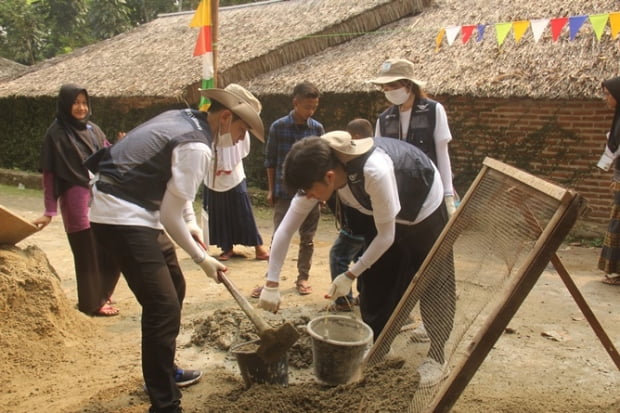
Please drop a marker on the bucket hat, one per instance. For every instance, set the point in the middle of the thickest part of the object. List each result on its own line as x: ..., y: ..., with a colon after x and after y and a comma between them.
x: 396, y: 69
x: 242, y: 103
x: 345, y: 146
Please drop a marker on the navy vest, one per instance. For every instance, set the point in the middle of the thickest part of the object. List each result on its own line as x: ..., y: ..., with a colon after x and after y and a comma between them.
x: 421, y: 125
x: 137, y: 168
x: 414, y: 176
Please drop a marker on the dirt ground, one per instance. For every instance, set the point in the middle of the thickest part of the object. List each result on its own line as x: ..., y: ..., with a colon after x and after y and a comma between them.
x: 59, y: 360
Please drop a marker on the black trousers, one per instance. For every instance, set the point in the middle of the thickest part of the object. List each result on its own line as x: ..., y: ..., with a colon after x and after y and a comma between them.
x: 149, y: 263
x: 385, y: 282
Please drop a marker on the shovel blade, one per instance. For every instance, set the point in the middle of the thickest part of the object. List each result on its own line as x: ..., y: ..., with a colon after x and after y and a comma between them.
x: 275, y: 342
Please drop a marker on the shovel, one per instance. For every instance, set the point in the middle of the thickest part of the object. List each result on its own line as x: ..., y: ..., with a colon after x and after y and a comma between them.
x: 274, y: 342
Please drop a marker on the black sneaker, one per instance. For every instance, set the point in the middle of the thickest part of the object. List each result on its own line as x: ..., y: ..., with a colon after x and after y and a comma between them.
x: 186, y: 378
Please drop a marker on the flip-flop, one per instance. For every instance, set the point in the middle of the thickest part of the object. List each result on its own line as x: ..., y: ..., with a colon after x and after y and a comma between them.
x: 303, y: 288
x: 107, y: 311
x: 615, y: 280
x: 256, y: 291
x: 225, y: 256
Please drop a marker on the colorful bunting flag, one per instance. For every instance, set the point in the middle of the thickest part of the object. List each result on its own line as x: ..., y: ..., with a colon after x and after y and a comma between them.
x: 466, y: 32
x: 614, y: 24
x: 538, y: 27
x: 598, y: 22
x: 556, y: 27
x: 519, y: 28
x: 501, y: 31
x: 204, y: 48
x: 574, y: 24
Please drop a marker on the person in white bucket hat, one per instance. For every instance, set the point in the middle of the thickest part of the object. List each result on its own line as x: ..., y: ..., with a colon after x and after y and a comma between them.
x: 415, y: 118
x: 397, y: 185
x: 145, y: 184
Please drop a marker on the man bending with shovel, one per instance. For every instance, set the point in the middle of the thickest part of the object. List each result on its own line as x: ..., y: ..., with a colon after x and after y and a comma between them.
x: 146, y: 183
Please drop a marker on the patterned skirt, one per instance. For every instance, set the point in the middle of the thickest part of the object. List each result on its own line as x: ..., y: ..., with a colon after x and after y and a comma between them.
x: 609, y: 261
x: 231, y: 220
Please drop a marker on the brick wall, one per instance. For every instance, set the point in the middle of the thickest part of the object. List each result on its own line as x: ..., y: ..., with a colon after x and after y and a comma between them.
x: 559, y: 140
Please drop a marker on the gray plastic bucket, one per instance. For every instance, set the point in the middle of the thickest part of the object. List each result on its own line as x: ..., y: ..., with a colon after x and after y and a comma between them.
x: 338, y: 347
x: 255, y: 370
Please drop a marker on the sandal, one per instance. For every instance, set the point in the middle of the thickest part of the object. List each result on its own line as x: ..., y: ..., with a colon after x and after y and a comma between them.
x: 225, y: 256
x: 611, y: 280
x: 256, y: 291
x: 106, y: 311
x: 303, y: 288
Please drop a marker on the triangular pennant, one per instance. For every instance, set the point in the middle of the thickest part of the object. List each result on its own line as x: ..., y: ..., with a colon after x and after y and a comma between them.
x: 614, y: 24
x: 480, y: 31
x: 202, y: 17
x: 207, y: 66
x: 466, y: 32
x: 439, y: 39
x: 204, y: 103
x: 451, y: 33
x: 204, y: 42
x: 557, y: 25
x: 574, y: 24
x: 501, y: 31
x: 538, y: 27
x: 598, y: 22
x: 519, y: 28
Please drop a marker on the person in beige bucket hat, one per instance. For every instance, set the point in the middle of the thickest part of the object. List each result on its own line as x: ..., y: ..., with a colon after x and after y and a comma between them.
x: 143, y: 195
x: 400, y: 188
x: 415, y: 118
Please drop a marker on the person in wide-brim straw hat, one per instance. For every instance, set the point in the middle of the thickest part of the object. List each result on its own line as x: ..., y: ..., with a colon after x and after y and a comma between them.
x: 143, y: 196
x: 415, y: 118
x: 242, y: 103
x: 399, y: 187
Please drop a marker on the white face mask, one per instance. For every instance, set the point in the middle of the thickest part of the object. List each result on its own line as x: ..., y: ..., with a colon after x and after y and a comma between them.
x: 224, y: 140
x: 397, y: 96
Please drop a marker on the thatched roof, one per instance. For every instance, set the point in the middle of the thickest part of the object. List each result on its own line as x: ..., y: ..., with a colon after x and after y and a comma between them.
x: 156, y: 58
x: 547, y: 69
x: 10, y: 69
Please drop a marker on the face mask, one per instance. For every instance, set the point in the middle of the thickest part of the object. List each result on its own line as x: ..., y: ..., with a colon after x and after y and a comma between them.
x: 397, y: 96
x: 224, y: 140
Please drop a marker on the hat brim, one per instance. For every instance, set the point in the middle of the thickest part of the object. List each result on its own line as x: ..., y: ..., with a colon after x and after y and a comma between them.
x: 382, y: 80
x: 356, y: 147
x: 239, y: 108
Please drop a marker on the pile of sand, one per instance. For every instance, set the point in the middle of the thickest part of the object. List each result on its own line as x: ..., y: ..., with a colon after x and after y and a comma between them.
x: 39, y: 325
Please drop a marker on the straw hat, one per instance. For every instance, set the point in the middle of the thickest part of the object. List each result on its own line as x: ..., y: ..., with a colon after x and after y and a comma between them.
x: 345, y: 146
x: 242, y: 103
x: 395, y: 69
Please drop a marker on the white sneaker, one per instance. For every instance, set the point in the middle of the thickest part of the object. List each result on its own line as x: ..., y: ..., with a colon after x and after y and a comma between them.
x: 419, y: 335
x: 432, y: 373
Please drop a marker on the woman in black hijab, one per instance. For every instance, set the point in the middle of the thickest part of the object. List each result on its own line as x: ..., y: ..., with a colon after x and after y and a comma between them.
x: 609, y: 261
x: 69, y: 140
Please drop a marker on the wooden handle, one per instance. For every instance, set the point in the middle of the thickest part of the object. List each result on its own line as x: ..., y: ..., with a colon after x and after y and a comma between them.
x: 261, y: 325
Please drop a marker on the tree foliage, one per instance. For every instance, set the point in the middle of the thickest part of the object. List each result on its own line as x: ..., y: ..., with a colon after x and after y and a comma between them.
x: 34, y: 30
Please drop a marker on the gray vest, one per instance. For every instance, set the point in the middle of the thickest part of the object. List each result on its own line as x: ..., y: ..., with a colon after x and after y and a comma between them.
x: 137, y: 168
x: 414, y: 176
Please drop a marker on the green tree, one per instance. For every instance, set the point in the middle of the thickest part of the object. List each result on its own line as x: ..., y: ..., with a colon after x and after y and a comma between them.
x: 107, y: 18
x: 65, y: 23
x: 22, y: 31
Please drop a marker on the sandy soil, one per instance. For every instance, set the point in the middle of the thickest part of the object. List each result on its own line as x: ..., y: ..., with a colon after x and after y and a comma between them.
x: 58, y: 360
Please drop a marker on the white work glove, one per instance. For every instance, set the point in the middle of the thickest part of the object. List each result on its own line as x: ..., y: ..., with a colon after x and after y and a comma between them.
x: 194, y: 229
x: 269, y: 299
x: 340, y: 286
x: 211, y: 266
x: 449, y: 200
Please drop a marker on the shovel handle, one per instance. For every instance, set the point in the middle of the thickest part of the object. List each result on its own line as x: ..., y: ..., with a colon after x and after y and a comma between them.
x: 260, y: 324
x: 257, y: 320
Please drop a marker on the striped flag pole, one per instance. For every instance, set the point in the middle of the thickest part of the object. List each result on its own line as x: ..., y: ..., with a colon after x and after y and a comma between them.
x: 205, y: 18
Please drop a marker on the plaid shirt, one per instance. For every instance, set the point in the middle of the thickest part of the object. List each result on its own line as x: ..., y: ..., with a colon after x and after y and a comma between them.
x: 283, y: 133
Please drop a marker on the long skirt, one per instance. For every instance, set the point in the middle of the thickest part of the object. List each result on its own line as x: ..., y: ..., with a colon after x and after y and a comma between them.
x: 231, y: 220
x: 609, y: 261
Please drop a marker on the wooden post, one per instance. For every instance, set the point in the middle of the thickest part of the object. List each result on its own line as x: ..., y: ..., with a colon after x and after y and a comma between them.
x: 215, y: 6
